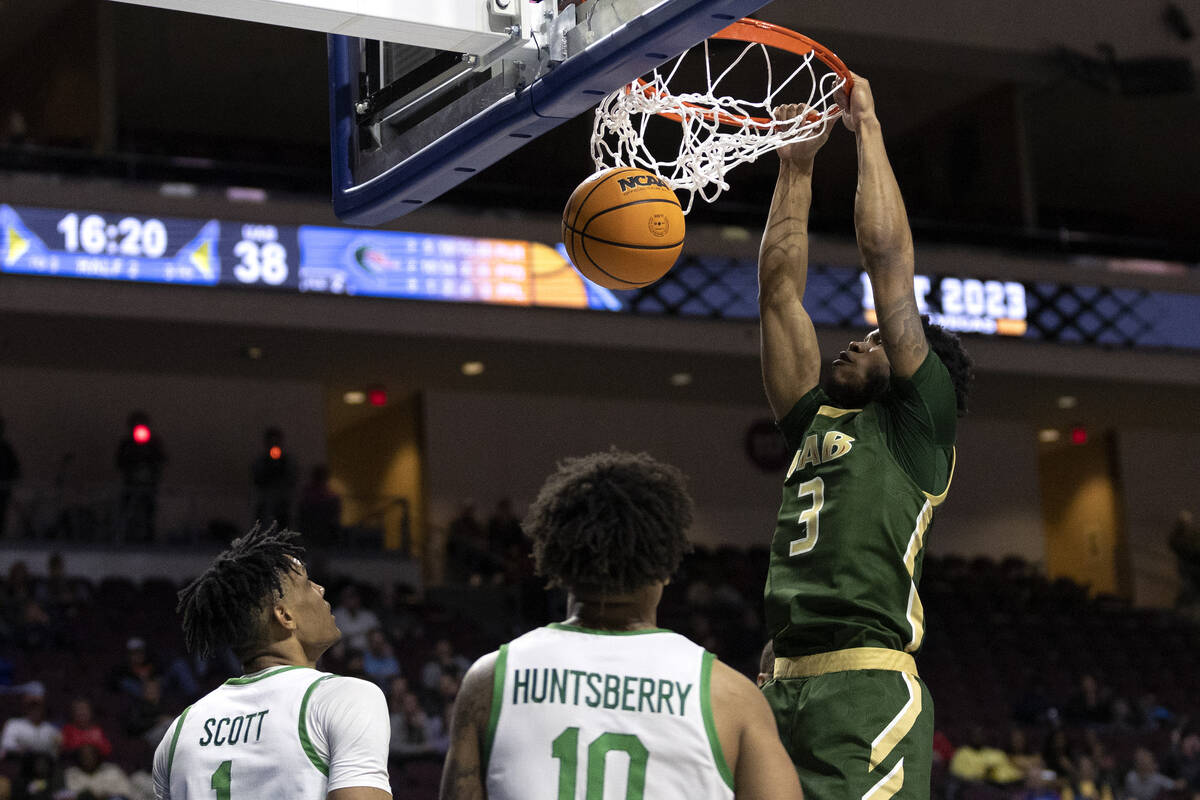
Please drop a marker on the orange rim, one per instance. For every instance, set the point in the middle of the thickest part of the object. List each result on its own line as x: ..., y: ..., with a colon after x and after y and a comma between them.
x: 755, y: 31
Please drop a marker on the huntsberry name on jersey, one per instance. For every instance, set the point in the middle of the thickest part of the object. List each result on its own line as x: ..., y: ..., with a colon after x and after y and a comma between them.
x: 233, y: 730
x: 821, y: 451
x: 599, y: 690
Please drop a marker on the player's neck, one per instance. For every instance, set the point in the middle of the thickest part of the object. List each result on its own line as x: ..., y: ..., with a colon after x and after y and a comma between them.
x: 281, y: 654
x: 637, y: 610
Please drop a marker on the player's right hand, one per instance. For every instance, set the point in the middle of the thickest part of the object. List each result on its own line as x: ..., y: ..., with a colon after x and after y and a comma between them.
x: 859, y: 105
x: 805, y: 151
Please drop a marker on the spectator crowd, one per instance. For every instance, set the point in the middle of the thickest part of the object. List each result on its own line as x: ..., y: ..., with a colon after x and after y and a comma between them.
x: 1041, y: 691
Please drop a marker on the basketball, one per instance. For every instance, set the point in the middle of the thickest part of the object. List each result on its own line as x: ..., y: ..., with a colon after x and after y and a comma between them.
x: 623, y: 228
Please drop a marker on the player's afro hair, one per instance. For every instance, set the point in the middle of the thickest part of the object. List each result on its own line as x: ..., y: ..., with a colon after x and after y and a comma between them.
x: 610, y: 522
x: 958, y: 363
x: 223, y: 607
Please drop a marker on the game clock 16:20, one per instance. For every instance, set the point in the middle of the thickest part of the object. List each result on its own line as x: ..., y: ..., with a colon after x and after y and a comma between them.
x: 128, y: 236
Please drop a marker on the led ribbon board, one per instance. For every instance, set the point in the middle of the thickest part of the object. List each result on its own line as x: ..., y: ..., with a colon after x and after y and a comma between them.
x: 149, y: 249
x: 142, y: 248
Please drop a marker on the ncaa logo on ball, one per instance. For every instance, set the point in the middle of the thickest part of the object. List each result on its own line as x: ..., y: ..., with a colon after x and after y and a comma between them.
x: 659, y: 225
x: 632, y: 182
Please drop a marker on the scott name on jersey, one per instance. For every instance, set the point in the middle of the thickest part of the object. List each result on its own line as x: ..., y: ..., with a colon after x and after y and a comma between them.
x: 238, y: 731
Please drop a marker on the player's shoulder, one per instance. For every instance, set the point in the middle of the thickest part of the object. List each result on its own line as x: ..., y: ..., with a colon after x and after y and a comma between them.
x: 732, y: 693
x: 475, y: 694
x: 484, y: 668
x: 328, y: 686
x: 724, y: 679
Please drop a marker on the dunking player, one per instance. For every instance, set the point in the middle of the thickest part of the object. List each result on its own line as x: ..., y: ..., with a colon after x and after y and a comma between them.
x: 874, y: 455
x: 283, y: 729
x: 606, y: 704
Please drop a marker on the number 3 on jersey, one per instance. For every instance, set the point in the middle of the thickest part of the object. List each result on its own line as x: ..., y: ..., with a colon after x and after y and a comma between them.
x: 566, y: 749
x: 809, y: 518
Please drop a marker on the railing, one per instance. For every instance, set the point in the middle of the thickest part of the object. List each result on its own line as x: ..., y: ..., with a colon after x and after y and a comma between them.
x: 112, y: 513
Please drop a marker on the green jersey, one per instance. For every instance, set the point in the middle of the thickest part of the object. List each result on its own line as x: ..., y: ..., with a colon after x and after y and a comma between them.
x: 858, y: 500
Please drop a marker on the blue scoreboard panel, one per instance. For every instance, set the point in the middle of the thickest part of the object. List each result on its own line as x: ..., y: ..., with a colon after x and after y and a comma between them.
x: 79, y: 243
x: 305, y: 258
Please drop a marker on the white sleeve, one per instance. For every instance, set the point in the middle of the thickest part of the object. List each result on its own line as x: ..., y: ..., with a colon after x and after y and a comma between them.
x: 162, y: 764
x: 348, y: 721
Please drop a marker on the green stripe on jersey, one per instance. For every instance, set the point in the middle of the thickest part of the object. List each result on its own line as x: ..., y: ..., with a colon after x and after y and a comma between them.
x: 302, y: 729
x: 710, y: 724
x: 497, y: 701
x: 175, y: 741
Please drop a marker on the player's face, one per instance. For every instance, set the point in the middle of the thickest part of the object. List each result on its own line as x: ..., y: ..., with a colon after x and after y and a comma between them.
x: 860, y: 372
x: 314, y: 616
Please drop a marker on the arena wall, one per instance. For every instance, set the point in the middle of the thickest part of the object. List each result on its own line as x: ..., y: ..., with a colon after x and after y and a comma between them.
x: 484, y: 446
x: 211, y: 428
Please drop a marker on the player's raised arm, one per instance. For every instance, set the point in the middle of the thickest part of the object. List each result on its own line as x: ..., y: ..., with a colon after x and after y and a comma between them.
x: 464, y: 774
x: 884, y: 238
x: 791, y: 363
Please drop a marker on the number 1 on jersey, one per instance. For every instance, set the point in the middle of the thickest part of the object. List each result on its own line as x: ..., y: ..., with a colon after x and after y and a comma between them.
x: 565, y: 748
x: 809, y: 518
x: 220, y: 780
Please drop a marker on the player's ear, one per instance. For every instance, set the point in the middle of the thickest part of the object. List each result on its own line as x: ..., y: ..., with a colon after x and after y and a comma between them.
x: 283, y: 617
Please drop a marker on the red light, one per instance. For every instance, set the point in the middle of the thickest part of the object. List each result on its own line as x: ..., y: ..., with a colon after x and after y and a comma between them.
x: 1079, y: 435
x: 377, y: 396
x: 141, y: 433
x: 275, y: 453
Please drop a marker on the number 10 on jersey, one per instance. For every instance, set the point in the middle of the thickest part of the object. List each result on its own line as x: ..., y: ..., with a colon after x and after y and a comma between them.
x: 565, y: 748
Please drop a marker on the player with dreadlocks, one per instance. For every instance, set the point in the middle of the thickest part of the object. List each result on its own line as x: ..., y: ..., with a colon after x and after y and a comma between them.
x: 607, y: 698
x: 873, y: 456
x: 283, y: 729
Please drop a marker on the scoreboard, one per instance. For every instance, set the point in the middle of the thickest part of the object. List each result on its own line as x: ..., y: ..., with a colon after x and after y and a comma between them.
x: 968, y: 305
x: 80, y: 243
x: 304, y: 258
x: 117, y: 247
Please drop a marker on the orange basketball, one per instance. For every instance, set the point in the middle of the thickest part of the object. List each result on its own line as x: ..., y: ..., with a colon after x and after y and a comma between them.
x: 623, y: 228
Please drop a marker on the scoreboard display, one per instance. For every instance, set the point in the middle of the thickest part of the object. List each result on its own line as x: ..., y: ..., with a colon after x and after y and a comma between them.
x: 304, y: 258
x: 967, y: 305
x: 117, y: 247
x: 80, y: 243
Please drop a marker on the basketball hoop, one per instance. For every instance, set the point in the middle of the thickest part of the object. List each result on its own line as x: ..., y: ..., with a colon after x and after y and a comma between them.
x: 720, y: 132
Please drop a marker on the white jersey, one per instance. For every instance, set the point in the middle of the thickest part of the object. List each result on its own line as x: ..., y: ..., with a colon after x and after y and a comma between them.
x: 580, y: 714
x: 286, y: 732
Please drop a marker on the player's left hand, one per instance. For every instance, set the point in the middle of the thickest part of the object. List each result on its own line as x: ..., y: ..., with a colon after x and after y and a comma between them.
x: 859, y: 105
x: 805, y: 151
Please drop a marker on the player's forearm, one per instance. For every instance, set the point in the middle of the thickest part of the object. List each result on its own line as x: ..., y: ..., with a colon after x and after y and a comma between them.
x: 783, y: 254
x: 462, y: 780
x: 880, y: 221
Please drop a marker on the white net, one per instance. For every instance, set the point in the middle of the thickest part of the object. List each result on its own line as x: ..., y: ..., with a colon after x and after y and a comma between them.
x: 719, y: 132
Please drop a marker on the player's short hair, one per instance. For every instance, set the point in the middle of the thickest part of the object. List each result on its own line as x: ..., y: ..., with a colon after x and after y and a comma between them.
x: 610, y: 522
x: 948, y: 347
x: 224, y: 606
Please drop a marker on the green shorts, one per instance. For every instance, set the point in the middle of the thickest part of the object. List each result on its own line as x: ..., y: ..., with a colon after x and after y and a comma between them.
x: 856, y: 735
